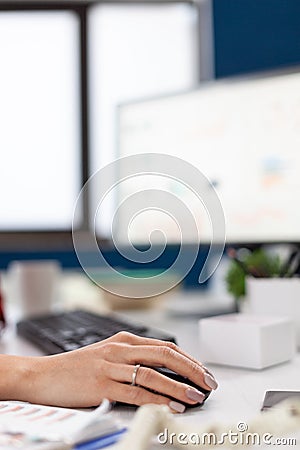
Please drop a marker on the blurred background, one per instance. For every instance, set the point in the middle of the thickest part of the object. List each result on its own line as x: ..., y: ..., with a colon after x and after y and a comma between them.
x: 79, y: 80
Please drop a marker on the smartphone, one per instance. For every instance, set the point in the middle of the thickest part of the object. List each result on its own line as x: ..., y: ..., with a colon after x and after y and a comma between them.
x: 272, y: 398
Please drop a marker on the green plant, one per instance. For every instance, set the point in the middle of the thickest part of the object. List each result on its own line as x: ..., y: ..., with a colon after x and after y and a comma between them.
x: 259, y: 264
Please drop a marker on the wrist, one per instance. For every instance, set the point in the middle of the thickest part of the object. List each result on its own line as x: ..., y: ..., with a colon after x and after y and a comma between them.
x: 19, y: 376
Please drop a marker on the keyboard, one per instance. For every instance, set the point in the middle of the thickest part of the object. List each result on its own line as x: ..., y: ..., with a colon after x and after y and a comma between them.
x: 58, y: 333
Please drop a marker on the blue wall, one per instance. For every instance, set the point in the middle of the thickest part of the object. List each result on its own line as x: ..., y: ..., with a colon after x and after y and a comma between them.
x: 68, y: 260
x: 253, y: 35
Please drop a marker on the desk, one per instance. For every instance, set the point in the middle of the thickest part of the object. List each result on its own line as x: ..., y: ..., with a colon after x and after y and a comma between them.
x: 240, y: 392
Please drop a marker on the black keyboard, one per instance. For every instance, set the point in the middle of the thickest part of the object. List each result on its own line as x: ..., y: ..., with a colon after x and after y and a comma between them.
x: 57, y: 333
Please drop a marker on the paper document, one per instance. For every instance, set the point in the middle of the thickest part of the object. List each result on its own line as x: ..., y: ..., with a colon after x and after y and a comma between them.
x: 25, y: 425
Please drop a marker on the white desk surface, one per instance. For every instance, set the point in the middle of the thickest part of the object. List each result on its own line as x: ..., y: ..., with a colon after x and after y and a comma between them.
x: 240, y: 393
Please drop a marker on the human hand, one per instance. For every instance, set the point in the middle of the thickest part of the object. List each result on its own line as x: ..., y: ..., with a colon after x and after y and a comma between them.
x: 83, y: 377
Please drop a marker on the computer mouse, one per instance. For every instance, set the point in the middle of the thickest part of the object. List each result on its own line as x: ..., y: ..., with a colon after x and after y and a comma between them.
x: 175, y: 376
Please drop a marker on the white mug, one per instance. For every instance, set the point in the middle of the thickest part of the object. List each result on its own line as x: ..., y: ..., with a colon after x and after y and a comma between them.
x: 34, y: 286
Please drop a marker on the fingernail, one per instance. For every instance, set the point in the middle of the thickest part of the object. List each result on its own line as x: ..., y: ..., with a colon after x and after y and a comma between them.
x: 206, y: 370
x: 177, y: 406
x: 197, y: 396
x: 210, y: 381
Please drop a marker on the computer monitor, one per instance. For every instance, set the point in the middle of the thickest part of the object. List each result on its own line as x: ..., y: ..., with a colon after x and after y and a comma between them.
x: 40, y: 121
x: 243, y: 135
x: 128, y: 59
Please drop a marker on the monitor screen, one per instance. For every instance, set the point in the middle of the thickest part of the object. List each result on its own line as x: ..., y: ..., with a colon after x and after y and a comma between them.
x: 243, y: 135
x: 129, y: 59
x: 40, y: 130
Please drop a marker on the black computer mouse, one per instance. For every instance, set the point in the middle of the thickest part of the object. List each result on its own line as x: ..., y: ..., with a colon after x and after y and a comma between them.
x: 175, y: 376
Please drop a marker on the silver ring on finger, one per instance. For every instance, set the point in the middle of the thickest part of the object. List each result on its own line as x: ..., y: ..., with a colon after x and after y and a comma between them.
x: 134, y: 374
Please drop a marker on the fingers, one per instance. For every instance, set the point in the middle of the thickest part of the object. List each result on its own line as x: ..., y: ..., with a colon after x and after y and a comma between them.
x: 136, y: 395
x: 133, y: 339
x: 167, y: 357
x: 129, y: 338
x: 150, y: 379
x: 160, y: 356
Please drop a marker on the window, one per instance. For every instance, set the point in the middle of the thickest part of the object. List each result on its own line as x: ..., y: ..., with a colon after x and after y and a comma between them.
x: 39, y: 119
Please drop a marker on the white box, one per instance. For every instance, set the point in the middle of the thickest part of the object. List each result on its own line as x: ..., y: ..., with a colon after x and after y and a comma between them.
x: 275, y: 297
x: 244, y: 340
